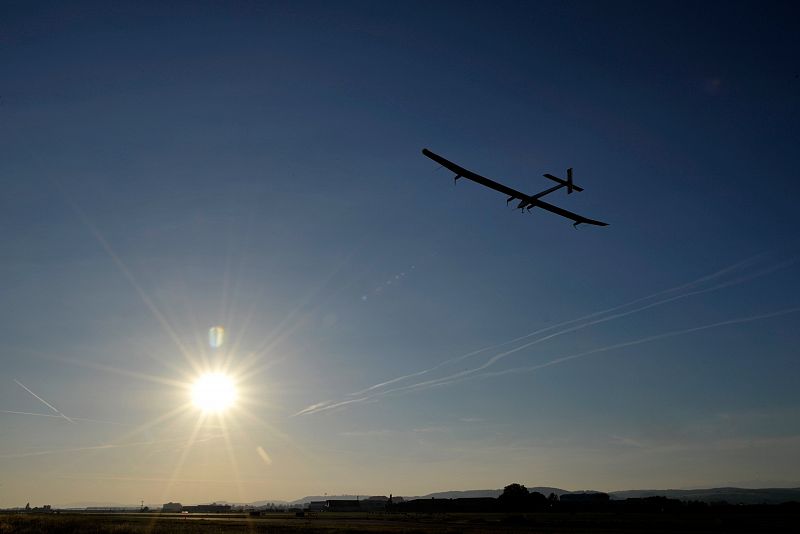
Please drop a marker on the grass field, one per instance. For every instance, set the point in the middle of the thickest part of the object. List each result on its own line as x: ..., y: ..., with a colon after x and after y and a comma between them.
x: 91, y: 523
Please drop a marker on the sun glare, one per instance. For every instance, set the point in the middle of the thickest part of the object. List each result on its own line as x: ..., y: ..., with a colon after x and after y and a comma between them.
x: 213, y: 392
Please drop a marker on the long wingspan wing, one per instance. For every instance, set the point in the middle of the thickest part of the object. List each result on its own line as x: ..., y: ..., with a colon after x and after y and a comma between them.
x: 579, y: 219
x: 461, y: 171
x: 491, y: 184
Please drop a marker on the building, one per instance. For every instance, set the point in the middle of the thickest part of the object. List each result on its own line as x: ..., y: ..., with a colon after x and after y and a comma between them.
x: 172, y: 508
x: 374, y: 504
x: 342, y: 506
x: 316, y: 506
x: 212, y: 508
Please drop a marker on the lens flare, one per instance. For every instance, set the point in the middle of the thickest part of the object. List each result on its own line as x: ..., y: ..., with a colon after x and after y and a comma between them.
x: 214, y: 392
x: 216, y: 336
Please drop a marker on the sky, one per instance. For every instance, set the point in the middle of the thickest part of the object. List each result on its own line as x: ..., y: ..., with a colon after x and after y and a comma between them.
x: 172, y: 167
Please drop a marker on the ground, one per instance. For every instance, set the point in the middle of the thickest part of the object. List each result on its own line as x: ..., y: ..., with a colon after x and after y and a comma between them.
x: 85, y: 523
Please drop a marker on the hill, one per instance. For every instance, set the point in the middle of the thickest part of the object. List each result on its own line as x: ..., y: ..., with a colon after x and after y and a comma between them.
x: 729, y: 495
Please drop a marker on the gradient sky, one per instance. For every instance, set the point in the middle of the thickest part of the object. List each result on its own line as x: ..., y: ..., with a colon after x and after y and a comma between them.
x: 168, y: 168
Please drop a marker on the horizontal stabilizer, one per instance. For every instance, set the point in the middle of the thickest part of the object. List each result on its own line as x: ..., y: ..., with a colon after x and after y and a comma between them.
x: 568, y: 182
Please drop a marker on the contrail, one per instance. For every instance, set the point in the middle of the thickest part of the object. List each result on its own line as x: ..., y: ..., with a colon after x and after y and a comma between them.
x: 20, y: 384
x: 61, y: 417
x: 32, y: 413
x: 563, y: 359
x: 101, y: 447
x: 693, y: 283
x: 313, y: 407
x: 321, y: 407
x: 607, y: 318
x: 329, y: 405
x: 647, y: 339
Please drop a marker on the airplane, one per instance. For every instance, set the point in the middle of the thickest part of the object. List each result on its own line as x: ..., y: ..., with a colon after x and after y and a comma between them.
x: 526, y: 202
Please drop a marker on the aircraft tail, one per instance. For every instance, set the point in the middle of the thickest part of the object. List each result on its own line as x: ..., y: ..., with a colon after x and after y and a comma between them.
x: 568, y: 182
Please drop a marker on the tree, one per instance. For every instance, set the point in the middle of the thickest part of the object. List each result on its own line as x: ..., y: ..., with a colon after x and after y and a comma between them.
x: 514, y: 497
x: 537, y: 501
x: 514, y: 491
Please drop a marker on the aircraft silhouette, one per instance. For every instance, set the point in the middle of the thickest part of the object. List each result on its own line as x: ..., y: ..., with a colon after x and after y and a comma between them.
x: 526, y: 202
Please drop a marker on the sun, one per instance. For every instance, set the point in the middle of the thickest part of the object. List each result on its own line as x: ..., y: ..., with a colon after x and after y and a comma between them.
x: 214, y: 392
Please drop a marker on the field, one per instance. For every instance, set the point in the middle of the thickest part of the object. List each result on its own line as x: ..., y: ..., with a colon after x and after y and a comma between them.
x: 92, y: 523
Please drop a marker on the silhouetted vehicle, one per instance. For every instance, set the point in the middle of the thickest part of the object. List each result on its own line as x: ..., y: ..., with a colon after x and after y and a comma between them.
x: 526, y: 202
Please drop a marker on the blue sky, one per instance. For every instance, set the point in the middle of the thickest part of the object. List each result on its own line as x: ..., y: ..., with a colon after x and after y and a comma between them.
x: 257, y: 166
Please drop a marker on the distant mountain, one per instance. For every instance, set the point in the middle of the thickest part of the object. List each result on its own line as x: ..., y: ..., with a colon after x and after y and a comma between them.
x: 96, y: 504
x: 729, y: 495
x: 467, y: 494
x: 309, y: 498
x: 710, y: 495
x: 486, y: 493
x: 544, y: 490
x: 254, y: 504
x: 257, y: 504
